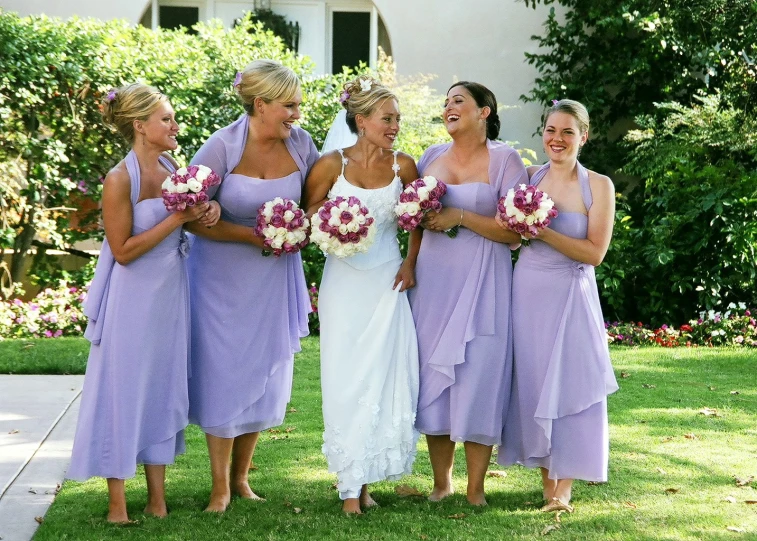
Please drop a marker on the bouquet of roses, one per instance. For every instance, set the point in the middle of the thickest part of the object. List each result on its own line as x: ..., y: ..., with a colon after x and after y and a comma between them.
x: 343, y: 227
x: 418, y: 197
x: 187, y: 187
x: 526, y: 210
x: 283, y: 226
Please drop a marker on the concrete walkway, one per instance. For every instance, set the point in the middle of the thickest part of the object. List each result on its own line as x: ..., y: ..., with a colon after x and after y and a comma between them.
x: 37, y: 422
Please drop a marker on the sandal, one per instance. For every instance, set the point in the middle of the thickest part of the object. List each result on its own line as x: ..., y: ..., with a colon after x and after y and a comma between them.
x: 556, y: 504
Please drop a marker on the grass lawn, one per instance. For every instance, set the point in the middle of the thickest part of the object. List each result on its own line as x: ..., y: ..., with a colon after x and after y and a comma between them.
x: 673, y: 470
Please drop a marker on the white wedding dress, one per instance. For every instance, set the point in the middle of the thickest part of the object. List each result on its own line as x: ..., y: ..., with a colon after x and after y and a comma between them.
x: 369, y: 353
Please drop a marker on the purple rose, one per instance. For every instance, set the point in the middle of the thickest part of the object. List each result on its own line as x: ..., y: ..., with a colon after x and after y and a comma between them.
x: 345, y: 217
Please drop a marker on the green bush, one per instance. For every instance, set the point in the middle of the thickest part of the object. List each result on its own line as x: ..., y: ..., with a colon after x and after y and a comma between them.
x: 690, y: 244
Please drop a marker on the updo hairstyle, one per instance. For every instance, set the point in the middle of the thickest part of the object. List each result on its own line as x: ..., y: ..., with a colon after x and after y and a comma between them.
x: 267, y: 80
x: 483, y: 98
x: 361, y: 97
x: 122, y: 106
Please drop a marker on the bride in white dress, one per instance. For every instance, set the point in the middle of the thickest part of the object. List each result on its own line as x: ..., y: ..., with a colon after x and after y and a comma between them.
x: 369, y: 352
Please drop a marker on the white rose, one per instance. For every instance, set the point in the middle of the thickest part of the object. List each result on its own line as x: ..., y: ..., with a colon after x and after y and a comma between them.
x: 276, y: 244
x: 519, y: 216
x: 268, y: 212
x: 360, y: 219
x: 167, y: 185
x: 343, y: 206
x: 529, y: 197
x: 334, y: 221
x: 423, y: 193
x: 182, y: 188
x: 335, y: 211
x: 202, y: 173
x: 530, y: 219
x: 343, y: 229
x: 194, y: 185
x: 181, y: 171
x: 430, y: 181
x: 353, y: 227
x: 413, y: 211
x: 541, y: 215
x: 277, y: 201
x: 288, y: 216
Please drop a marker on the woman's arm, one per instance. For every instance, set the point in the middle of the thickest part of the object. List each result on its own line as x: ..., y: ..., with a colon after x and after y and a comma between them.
x: 224, y: 231
x: 118, y: 219
x: 593, y: 248
x: 485, y: 226
x: 406, y: 272
x: 320, y: 179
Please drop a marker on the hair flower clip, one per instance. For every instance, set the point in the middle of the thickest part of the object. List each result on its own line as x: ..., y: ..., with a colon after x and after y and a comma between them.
x: 111, y: 95
x: 344, y: 97
x: 555, y: 102
x: 365, y: 85
x: 238, y: 79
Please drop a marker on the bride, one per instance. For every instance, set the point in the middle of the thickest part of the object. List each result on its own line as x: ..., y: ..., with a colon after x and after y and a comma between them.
x: 369, y: 353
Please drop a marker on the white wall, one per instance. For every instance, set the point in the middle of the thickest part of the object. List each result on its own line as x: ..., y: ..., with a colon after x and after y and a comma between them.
x: 131, y: 10
x: 477, y: 40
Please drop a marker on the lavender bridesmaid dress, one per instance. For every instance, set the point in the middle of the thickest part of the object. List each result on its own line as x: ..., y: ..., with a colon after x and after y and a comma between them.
x: 248, y: 311
x: 461, y: 307
x: 134, y: 403
x: 562, y: 375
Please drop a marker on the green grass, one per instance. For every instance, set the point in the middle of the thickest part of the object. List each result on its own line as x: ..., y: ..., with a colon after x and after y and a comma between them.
x: 44, y: 356
x: 657, y: 406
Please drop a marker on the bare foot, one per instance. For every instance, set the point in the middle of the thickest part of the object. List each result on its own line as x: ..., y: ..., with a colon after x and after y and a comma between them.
x: 438, y: 494
x: 218, y: 502
x: 477, y: 498
x: 351, y: 506
x: 243, y: 490
x: 118, y: 516
x: 366, y: 500
x: 157, y: 510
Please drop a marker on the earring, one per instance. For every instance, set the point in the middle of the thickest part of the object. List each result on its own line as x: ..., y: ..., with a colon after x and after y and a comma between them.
x: 361, y: 133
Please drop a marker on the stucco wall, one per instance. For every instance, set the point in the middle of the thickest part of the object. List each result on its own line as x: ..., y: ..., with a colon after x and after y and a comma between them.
x: 481, y: 40
x: 131, y: 10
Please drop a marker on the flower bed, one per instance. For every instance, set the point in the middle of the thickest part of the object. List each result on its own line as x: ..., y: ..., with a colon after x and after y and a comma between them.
x: 51, y: 314
x: 734, y: 327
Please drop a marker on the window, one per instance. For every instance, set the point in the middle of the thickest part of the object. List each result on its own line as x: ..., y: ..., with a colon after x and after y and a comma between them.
x: 351, y: 39
x: 178, y: 16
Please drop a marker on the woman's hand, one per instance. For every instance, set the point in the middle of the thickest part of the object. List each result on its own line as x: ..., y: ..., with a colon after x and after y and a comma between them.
x: 406, y: 276
x: 212, y: 215
x: 445, y: 219
x: 190, y: 214
x: 504, y: 225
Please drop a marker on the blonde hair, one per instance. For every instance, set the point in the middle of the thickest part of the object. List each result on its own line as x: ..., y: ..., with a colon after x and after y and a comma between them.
x: 122, y: 106
x: 574, y: 108
x: 267, y: 80
x: 358, y: 101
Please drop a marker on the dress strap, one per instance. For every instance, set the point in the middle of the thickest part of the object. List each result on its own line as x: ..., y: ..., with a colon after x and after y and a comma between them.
x: 132, y: 166
x: 540, y: 173
x: 344, y: 160
x: 395, y: 165
x: 583, y: 180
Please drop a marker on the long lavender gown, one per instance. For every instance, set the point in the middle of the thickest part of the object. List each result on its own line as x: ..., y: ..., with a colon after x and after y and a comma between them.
x: 134, y: 402
x: 461, y: 307
x: 562, y: 376
x: 248, y: 311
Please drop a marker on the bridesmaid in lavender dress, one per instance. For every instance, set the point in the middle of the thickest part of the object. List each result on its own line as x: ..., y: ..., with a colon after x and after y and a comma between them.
x: 248, y: 311
x: 557, y: 419
x: 461, y: 303
x: 134, y: 403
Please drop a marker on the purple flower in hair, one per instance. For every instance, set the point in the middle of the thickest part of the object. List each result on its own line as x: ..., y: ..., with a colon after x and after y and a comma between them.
x: 344, y: 97
x: 111, y: 95
x: 238, y: 79
x: 555, y: 102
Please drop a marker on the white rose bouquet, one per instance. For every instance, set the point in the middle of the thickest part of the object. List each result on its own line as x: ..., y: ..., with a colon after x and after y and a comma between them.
x: 526, y: 210
x: 283, y: 226
x: 343, y: 227
x: 187, y: 187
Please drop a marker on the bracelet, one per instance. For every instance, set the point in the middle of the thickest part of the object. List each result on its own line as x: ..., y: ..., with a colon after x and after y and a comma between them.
x: 461, y: 218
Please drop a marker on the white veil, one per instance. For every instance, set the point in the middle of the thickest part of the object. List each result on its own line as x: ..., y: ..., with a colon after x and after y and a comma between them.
x: 339, y: 135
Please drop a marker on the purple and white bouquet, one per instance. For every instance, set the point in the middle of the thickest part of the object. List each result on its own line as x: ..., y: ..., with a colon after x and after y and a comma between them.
x: 187, y: 187
x: 419, y: 197
x: 343, y: 227
x: 526, y: 210
x: 283, y: 226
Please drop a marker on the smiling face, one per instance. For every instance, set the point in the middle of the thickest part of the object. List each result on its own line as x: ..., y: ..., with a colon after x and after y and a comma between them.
x: 462, y: 113
x: 382, y: 125
x: 279, y: 116
x: 562, y: 137
x: 160, y: 128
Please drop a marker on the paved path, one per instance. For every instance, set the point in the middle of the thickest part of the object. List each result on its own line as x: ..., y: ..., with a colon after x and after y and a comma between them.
x: 37, y: 421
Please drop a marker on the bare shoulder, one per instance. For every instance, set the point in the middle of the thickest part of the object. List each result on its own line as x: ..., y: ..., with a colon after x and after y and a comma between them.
x: 531, y: 169
x: 601, y: 182
x: 118, y: 177
x: 405, y: 160
x: 330, y: 164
